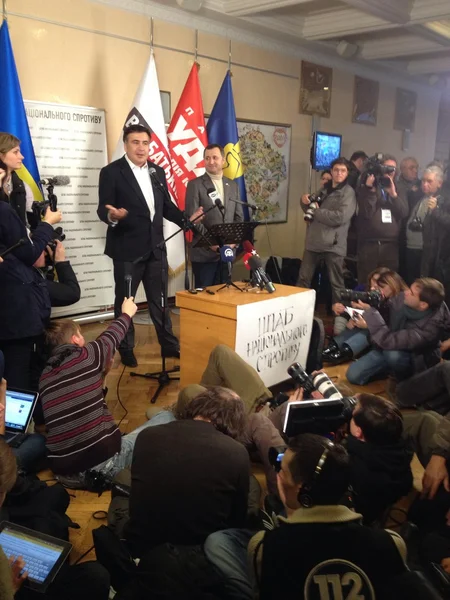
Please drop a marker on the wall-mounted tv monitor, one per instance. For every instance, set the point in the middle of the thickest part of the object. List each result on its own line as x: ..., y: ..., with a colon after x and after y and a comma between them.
x: 326, y: 147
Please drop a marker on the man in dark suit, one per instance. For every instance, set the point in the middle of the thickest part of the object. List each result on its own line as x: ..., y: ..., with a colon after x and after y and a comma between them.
x: 201, y: 193
x: 132, y: 203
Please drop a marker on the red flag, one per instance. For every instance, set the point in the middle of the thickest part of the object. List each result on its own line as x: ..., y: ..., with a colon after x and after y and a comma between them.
x: 187, y: 136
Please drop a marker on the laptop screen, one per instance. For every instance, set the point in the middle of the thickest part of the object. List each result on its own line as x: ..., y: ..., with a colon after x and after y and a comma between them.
x: 19, y: 409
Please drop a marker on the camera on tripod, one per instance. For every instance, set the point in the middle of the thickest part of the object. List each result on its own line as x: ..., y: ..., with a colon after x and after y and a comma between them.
x: 374, y: 166
x: 315, y: 201
x: 372, y: 297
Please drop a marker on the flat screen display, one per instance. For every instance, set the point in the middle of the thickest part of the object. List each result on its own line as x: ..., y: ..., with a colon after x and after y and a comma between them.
x: 326, y: 148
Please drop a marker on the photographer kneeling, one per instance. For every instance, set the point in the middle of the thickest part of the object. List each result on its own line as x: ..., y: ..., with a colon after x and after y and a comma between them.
x: 64, y: 290
x: 410, y: 342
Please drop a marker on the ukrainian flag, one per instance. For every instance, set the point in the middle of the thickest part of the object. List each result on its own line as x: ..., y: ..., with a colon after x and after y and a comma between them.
x: 222, y: 129
x: 13, y: 118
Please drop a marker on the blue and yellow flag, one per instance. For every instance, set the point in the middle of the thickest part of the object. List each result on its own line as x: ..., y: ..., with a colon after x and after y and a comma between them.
x: 13, y: 118
x: 222, y: 129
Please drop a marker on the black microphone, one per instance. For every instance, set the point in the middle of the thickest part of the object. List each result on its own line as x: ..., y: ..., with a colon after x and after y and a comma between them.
x: 256, y: 266
x: 128, y: 281
x: 21, y: 242
x: 252, y: 206
x: 220, y: 206
x: 58, y: 180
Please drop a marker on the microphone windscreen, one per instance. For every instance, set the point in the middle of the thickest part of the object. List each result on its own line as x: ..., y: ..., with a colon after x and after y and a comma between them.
x: 226, y: 254
x: 62, y: 180
x: 248, y: 246
x: 255, y: 262
x: 246, y: 258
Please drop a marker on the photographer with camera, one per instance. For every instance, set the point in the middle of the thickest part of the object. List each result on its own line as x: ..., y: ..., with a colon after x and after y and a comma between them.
x: 381, y: 210
x: 24, y: 297
x: 326, y: 235
x: 64, y: 290
x: 409, y: 344
x: 420, y: 220
x: 318, y: 539
x: 353, y: 340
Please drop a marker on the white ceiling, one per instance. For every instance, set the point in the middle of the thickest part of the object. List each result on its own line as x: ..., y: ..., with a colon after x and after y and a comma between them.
x: 411, y: 37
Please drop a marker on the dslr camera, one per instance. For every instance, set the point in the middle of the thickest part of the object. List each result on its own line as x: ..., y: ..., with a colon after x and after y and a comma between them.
x: 374, y: 166
x: 416, y: 225
x: 372, y: 297
x: 315, y: 201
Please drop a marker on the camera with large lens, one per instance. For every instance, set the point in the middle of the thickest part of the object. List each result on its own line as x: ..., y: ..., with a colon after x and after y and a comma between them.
x: 416, y: 225
x: 320, y: 382
x: 372, y: 297
x: 374, y: 166
x: 315, y: 201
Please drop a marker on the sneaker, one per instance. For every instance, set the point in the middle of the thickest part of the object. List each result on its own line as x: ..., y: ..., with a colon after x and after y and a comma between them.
x: 128, y: 358
x: 73, y: 482
x: 331, y: 349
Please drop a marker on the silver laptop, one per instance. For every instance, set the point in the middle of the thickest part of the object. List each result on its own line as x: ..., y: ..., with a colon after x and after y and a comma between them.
x: 19, y: 410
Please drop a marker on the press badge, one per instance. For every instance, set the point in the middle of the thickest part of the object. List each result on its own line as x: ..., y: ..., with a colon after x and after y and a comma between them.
x: 386, y: 216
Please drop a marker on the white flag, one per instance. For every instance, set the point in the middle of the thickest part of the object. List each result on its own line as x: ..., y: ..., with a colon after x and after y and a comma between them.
x: 147, y: 110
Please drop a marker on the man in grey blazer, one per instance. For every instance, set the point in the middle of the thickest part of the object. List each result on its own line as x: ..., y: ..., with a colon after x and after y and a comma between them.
x: 201, y: 192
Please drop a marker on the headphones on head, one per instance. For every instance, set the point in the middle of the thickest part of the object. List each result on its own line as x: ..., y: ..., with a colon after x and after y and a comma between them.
x: 306, y: 493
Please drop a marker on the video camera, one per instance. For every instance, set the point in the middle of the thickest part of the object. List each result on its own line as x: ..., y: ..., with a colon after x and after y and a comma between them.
x: 315, y: 201
x: 372, y: 297
x: 374, y: 166
x: 323, y: 417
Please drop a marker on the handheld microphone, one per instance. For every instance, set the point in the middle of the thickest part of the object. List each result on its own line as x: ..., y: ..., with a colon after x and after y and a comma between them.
x: 128, y: 280
x: 58, y: 180
x: 213, y: 194
x: 21, y: 242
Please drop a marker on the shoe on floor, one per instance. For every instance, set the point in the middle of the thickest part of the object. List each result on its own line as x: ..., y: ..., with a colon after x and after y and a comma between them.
x: 341, y: 355
x: 128, y: 358
x: 331, y: 349
x: 73, y: 482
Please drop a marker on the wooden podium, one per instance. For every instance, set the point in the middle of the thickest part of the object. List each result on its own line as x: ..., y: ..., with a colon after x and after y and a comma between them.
x: 207, y: 320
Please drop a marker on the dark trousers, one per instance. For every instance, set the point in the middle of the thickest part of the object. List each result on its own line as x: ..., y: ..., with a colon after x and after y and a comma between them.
x: 154, y: 279
x: 335, y: 266
x: 413, y: 265
x: 376, y: 254
x: 209, y: 273
x: 88, y: 580
x: 429, y: 388
x: 18, y: 362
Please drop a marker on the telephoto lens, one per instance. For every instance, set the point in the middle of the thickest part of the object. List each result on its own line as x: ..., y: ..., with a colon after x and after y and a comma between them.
x: 301, y: 378
x: 373, y: 297
x: 326, y: 387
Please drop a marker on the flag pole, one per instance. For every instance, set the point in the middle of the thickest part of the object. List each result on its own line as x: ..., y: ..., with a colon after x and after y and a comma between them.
x: 151, y: 32
x: 5, y: 12
x: 229, y: 59
x: 196, y: 49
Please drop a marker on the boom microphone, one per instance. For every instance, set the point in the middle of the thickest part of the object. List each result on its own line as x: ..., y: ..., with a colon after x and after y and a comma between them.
x: 58, y: 180
x: 21, y: 242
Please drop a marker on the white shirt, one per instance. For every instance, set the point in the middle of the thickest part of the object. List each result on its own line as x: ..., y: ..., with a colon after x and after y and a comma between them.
x: 145, y: 183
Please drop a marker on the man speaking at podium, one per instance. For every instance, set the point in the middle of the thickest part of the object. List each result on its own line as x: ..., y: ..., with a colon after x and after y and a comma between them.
x: 203, y: 192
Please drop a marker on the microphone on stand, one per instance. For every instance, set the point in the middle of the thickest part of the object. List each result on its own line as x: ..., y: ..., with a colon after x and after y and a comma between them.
x: 227, y: 256
x: 255, y: 264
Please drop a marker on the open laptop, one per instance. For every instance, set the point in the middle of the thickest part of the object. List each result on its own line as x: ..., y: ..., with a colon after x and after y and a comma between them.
x: 19, y: 410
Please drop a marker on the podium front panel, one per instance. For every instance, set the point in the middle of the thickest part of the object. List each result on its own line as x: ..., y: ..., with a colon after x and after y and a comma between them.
x: 208, y: 320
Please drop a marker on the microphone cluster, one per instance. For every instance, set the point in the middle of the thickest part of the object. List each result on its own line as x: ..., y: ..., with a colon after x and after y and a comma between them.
x: 253, y: 262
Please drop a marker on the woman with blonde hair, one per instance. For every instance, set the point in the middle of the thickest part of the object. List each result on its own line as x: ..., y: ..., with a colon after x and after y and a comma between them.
x: 353, y: 341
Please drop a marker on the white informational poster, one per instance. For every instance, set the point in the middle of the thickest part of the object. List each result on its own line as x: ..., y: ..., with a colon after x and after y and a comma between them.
x: 272, y: 334
x: 71, y: 140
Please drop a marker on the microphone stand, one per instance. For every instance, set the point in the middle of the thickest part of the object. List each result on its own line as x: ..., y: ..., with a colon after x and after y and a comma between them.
x: 163, y: 377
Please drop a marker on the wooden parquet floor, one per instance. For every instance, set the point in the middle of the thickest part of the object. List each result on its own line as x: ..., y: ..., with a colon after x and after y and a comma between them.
x: 135, y: 394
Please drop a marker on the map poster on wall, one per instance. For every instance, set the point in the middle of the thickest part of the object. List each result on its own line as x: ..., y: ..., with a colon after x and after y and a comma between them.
x: 265, y: 153
x: 71, y: 140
